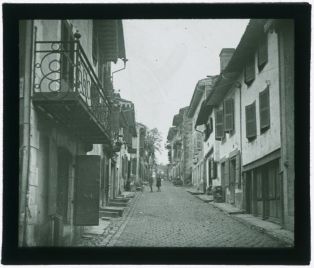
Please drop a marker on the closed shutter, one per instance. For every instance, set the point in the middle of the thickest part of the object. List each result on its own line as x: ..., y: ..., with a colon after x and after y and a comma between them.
x: 262, y: 52
x: 86, y: 204
x: 250, y: 114
x: 229, y: 115
x: 249, y: 71
x: 95, y: 44
x: 264, y: 109
x: 219, y: 125
x: 227, y: 173
x: 238, y: 170
x: 215, y: 169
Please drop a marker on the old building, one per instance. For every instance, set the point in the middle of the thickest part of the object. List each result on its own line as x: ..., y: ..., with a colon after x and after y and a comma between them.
x: 178, y: 145
x: 65, y: 112
x: 201, y: 92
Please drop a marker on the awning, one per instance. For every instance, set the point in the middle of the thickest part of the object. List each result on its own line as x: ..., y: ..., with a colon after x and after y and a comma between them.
x: 203, y: 114
x: 111, y: 39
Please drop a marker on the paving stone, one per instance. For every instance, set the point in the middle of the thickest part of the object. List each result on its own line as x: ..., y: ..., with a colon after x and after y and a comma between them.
x: 175, y: 218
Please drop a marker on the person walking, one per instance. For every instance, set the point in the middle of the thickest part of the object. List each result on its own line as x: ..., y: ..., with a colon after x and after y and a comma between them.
x: 158, y: 183
x: 151, y: 181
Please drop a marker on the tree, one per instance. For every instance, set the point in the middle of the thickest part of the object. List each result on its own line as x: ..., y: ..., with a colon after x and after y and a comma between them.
x: 153, y: 143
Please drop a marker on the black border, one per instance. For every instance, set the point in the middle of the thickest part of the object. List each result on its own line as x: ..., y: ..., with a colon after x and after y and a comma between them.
x: 11, y: 254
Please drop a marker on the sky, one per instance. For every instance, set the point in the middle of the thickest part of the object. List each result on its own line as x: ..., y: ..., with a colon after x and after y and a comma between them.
x: 166, y: 58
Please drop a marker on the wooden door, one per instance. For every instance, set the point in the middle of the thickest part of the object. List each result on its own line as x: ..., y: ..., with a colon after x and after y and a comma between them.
x: 274, y: 192
x: 86, y: 204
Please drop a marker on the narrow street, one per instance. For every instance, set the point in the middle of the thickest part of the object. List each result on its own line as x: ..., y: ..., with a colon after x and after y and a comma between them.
x: 174, y: 218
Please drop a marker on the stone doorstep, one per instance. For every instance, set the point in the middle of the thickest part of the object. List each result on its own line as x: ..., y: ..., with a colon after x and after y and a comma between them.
x: 118, y: 210
x: 120, y: 200
x: 117, y: 204
x: 272, y: 229
x: 227, y: 208
x: 90, y: 231
x: 205, y: 198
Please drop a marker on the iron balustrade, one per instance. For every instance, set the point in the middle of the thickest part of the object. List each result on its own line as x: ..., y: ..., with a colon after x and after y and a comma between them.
x: 61, y: 68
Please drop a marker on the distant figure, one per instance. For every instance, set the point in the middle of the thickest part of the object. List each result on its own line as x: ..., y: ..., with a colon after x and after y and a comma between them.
x: 151, y: 181
x: 158, y: 183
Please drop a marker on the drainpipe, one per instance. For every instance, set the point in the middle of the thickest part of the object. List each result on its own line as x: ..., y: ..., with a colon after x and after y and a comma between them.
x: 24, y: 177
x: 123, y: 68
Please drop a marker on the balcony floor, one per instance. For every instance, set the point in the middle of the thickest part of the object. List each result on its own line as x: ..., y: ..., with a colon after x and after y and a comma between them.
x: 70, y: 110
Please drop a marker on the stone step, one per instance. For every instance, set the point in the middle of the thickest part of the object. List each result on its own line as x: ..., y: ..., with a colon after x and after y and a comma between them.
x: 118, y: 210
x: 120, y: 200
x: 117, y: 204
x: 108, y: 214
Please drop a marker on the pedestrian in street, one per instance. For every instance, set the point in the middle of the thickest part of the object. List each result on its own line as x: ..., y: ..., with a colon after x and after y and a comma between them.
x: 158, y: 183
x: 151, y: 181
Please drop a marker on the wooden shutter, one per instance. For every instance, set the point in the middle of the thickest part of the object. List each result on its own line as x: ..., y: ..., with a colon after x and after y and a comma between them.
x: 86, y: 204
x: 250, y: 114
x: 249, y: 71
x: 238, y: 170
x: 95, y: 44
x: 262, y: 52
x: 219, y: 125
x: 227, y: 162
x: 228, y: 115
x: 264, y: 110
x: 215, y: 169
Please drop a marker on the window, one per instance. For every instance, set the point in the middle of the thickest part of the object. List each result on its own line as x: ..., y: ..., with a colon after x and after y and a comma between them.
x: 264, y: 110
x: 249, y: 70
x: 250, y: 115
x: 228, y: 115
x: 262, y: 53
x: 219, y: 125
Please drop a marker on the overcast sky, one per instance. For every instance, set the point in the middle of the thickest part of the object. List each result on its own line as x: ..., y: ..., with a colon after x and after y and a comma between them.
x: 166, y: 58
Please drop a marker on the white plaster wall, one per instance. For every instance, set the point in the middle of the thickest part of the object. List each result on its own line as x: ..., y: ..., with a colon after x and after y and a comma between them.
x: 268, y: 141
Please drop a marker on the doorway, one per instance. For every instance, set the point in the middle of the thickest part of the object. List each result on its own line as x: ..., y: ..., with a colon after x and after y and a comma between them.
x: 232, y: 180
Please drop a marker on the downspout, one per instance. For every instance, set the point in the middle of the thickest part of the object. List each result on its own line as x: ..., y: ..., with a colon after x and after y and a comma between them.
x: 24, y: 177
x: 123, y: 68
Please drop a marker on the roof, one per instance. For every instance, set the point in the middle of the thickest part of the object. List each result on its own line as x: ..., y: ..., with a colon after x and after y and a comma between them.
x: 203, y: 114
x: 248, y: 43
x: 197, y: 95
x: 221, y: 86
x: 177, y: 119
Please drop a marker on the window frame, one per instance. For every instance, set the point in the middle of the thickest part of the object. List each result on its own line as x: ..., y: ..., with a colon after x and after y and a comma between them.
x: 264, y: 126
x: 250, y: 64
x: 248, y: 110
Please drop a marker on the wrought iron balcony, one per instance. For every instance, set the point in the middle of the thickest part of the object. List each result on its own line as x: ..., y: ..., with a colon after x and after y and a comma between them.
x: 67, y: 89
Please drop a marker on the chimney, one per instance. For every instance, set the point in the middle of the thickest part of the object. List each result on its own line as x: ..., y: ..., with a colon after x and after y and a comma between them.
x: 225, y: 56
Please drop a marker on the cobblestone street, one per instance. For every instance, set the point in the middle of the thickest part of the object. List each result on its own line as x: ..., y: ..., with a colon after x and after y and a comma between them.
x: 174, y: 218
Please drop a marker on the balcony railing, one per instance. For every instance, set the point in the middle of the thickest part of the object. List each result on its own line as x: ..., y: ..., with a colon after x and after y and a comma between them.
x: 61, y: 69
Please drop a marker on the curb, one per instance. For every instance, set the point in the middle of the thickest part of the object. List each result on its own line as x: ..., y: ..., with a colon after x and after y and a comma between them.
x: 257, y: 228
x: 121, y: 228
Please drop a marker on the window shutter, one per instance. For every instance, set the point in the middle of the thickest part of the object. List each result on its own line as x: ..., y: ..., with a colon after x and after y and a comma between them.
x: 249, y: 71
x: 95, y: 44
x: 262, y: 52
x: 238, y: 170
x: 264, y: 109
x: 215, y: 170
x: 228, y: 114
x: 250, y: 114
x: 227, y: 172
x: 211, y: 168
x: 219, y: 125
